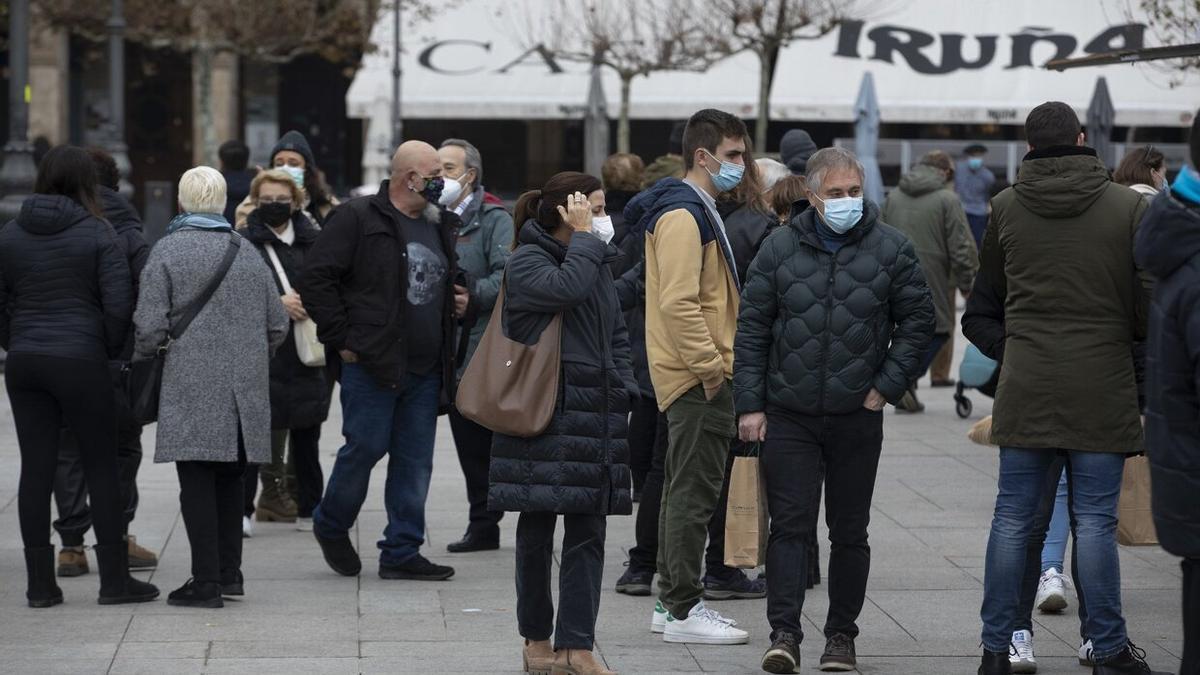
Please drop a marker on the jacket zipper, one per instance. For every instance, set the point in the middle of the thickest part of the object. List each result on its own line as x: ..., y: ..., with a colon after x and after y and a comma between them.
x: 604, y: 350
x: 825, y: 333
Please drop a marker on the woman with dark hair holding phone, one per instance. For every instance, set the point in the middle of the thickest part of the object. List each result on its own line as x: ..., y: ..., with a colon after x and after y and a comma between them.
x: 66, y: 300
x: 579, y: 466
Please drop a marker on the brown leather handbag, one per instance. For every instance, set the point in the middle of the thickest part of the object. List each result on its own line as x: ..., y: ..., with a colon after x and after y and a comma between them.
x: 510, y: 387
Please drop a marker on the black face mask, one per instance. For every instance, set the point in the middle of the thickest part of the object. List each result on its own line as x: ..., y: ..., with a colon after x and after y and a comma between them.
x: 432, y: 191
x: 275, y: 214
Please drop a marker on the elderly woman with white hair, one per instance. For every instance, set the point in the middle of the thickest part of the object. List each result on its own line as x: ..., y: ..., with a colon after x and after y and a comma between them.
x: 214, y: 409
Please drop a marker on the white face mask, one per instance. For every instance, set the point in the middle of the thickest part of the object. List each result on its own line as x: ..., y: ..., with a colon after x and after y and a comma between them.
x: 451, y: 189
x: 602, y: 227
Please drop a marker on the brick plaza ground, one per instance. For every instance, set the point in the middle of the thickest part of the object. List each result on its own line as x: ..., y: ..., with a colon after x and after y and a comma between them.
x: 932, y: 508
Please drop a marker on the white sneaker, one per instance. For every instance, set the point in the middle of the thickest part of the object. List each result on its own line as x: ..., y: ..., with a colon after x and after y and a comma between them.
x: 304, y: 524
x: 658, y: 622
x: 703, y: 626
x: 1052, y: 592
x: 1085, y: 654
x: 1021, y: 656
x: 247, y: 527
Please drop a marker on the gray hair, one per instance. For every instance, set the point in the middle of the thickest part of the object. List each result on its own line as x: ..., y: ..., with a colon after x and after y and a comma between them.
x: 824, y: 160
x: 772, y: 171
x: 202, y: 190
x: 473, y: 159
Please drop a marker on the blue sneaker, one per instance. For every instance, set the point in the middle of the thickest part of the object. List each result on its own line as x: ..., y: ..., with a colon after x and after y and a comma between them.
x: 733, y: 585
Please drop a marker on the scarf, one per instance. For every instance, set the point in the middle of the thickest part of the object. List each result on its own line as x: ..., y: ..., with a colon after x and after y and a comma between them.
x: 202, y: 221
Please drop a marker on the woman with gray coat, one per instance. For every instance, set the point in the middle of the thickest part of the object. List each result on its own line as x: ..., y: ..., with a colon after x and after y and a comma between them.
x: 214, y: 410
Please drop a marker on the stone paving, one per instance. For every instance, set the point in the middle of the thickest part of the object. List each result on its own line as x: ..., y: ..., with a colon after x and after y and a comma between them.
x: 932, y: 508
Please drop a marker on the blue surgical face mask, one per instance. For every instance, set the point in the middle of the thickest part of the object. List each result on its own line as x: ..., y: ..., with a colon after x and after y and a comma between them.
x: 728, y: 177
x: 842, y: 214
x: 975, y: 162
x: 295, y: 172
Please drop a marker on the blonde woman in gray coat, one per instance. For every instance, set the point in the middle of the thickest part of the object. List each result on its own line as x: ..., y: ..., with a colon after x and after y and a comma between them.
x: 214, y: 410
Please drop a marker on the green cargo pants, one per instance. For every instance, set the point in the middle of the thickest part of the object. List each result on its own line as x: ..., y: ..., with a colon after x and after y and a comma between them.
x: 699, y: 432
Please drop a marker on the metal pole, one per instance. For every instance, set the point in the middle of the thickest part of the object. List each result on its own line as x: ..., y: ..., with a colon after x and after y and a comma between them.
x: 397, y: 123
x: 18, y: 173
x: 116, y: 94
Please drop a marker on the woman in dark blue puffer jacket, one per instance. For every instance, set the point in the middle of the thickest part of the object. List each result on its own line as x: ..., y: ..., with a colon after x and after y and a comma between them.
x: 66, y: 299
x: 579, y: 466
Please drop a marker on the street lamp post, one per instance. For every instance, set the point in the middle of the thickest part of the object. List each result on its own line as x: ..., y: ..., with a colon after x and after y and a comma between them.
x: 116, y: 94
x: 18, y: 173
x: 397, y: 123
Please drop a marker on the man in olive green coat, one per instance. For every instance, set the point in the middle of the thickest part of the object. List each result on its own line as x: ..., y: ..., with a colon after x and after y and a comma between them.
x: 484, y: 243
x: 925, y: 208
x: 1058, y: 252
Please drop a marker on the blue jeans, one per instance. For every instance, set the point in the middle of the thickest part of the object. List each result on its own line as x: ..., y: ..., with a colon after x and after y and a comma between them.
x: 1055, y: 548
x: 1095, y: 487
x: 377, y: 421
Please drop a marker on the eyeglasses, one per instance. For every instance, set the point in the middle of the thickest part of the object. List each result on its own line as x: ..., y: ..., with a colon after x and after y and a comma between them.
x: 275, y: 200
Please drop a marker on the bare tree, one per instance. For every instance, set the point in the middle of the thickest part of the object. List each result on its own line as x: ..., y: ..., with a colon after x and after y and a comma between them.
x: 632, y: 37
x: 274, y: 31
x: 766, y: 27
x: 1172, y: 23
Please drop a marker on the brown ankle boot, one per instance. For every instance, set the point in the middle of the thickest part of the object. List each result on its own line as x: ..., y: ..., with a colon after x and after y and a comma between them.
x: 273, y: 507
x: 578, y: 662
x: 538, y: 656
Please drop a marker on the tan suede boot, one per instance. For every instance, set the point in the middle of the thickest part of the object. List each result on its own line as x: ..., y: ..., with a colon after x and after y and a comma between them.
x: 273, y: 505
x: 578, y: 662
x: 538, y: 656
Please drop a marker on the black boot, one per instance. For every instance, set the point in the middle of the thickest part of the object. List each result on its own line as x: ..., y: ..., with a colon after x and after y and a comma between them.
x: 42, y: 591
x: 117, y: 586
x: 1130, y: 661
x: 995, y: 663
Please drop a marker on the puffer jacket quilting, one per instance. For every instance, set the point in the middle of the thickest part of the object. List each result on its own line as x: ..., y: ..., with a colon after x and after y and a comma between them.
x: 818, y: 330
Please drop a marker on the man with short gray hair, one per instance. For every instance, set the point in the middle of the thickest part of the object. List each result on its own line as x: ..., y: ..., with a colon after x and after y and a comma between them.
x: 483, y: 247
x: 834, y: 322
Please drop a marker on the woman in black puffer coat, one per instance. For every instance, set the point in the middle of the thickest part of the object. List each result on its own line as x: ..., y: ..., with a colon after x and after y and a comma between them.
x: 578, y: 466
x: 300, y: 394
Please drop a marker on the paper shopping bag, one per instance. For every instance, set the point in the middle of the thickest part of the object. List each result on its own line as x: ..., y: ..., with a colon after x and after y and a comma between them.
x: 746, y: 522
x: 1135, y: 522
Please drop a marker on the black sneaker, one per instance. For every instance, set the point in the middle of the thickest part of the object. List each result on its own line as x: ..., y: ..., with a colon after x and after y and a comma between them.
x: 417, y: 568
x: 1130, y: 661
x: 635, y: 581
x: 340, y: 555
x: 475, y: 541
x: 233, y: 583
x: 995, y: 663
x: 197, y: 594
x: 733, y: 585
x: 839, y: 654
x: 784, y: 654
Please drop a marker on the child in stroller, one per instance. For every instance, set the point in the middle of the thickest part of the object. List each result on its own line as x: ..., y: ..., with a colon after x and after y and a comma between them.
x: 976, y: 372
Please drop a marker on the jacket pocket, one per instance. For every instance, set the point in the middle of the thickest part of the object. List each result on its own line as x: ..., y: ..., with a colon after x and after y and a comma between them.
x: 365, y: 327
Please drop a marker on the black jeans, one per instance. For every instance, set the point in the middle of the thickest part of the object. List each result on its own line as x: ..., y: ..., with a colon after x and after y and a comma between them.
x: 70, y: 486
x: 643, y: 437
x: 1191, y: 616
x: 474, y: 445
x: 849, y: 445
x: 210, y: 500
x: 939, y: 341
x: 578, y: 581
x: 47, y: 394
x: 643, y: 556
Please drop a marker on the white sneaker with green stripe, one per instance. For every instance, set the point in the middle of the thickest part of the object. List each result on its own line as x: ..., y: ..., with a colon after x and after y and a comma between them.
x: 658, y: 622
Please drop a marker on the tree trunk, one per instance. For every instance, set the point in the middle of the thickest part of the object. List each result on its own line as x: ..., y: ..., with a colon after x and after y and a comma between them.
x: 623, y: 119
x: 766, y: 74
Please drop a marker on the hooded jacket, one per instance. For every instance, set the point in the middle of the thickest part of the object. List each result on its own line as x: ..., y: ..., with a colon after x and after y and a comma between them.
x: 924, y: 208
x: 483, y: 247
x: 580, y: 463
x: 818, y: 330
x: 300, y: 394
x: 65, y: 287
x: 1059, y: 254
x: 1168, y: 246
x: 691, y: 291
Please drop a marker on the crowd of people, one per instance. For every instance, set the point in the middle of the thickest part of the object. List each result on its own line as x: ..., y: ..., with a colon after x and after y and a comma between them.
x: 708, y: 306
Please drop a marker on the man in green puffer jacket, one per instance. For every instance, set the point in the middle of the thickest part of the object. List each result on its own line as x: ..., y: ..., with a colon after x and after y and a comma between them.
x: 484, y: 243
x: 925, y: 208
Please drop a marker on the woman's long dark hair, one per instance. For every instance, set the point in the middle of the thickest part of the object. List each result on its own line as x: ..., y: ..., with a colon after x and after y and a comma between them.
x: 542, y: 205
x: 69, y: 171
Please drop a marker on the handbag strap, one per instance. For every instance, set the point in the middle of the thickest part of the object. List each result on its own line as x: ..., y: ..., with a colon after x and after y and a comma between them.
x: 283, y: 279
x: 193, y: 309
